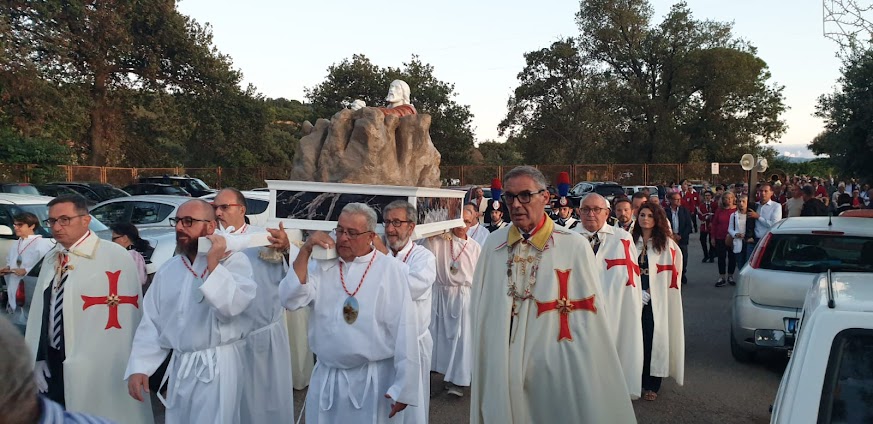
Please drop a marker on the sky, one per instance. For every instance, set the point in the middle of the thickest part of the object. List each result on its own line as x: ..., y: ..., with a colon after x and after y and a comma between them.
x: 283, y: 47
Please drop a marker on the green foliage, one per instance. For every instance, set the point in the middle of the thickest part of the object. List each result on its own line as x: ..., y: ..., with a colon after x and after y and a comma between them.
x: 848, y: 115
x: 495, y: 153
x: 359, y: 78
x: 629, y: 90
x: 45, y: 154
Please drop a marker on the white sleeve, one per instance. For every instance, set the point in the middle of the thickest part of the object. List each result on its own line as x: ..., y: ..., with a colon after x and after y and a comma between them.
x: 146, y: 353
x: 732, y: 229
x: 407, y: 363
x: 230, y: 287
x: 294, y: 295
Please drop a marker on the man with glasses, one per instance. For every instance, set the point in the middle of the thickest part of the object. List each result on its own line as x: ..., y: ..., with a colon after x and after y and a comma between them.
x: 615, y: 255
x: 195, y: 307
x: 83, y: 317
x: 399, y: 218
x: 268, y: 350
x: 680, y: 222
x: 363, y: 327
x: 540, y: 326
x: 23, y: 255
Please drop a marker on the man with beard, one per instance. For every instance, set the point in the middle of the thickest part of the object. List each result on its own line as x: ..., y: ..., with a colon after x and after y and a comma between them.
x: 399, y: 218
x: 363, y: 327
x: 624, y: 217
x: 195, y: 307
x: 475, y: 230
x: 268, y: 351
x: 619, y: 276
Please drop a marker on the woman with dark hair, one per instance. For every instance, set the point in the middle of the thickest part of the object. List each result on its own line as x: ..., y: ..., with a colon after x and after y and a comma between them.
x: 23, y: 255
x: 660, y: 263
x: 127, y: 236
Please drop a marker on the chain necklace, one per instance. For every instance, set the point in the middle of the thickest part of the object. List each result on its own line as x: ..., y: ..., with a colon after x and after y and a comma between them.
x: 350, y: 306
x: 21, y: 251
x: 455, y: 266
x: 513, y: 292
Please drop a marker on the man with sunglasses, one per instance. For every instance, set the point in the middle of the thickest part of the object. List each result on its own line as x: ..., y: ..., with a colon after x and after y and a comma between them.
x: 363, y: 327
x: 83, y: 317
x: 399, y: 220
x: 543, y: 350
x: 268, y: 360
x: 194, y: 307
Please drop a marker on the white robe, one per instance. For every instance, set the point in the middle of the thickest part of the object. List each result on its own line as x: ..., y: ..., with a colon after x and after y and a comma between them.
x: 665, y: 287
x: 32, y: 249
x: 479, y: 233
x: 422, y: 273
x: 269, y: 397
x: 202, y: 322
x: 359, y: 363
x: 522, y: 372
x: 96, y: 353
x: 450, y: 324
x: 622, y: 299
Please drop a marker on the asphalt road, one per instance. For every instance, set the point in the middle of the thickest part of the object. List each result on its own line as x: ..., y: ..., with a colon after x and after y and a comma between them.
x: 717, y: 389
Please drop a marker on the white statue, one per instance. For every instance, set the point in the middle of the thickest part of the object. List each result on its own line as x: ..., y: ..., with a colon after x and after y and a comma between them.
x: 397, y: 98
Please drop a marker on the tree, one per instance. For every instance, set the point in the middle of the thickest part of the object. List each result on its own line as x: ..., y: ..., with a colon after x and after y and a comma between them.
x: 495, y: 153
x: 848, y: 115
x: 359, y: 78
x: 109, y: 48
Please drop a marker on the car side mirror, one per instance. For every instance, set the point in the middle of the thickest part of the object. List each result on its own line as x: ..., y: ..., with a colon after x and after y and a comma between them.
x: 6, y: 231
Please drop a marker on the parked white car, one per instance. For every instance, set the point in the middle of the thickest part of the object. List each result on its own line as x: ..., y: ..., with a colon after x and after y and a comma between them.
x: 771, y: 288
x: 152, y: 210
x: 829, y: 378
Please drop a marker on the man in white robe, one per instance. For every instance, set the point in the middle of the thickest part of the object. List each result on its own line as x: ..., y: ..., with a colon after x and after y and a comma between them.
x: 362, y: 328
x: 456, y: 256
x: 83, y: 317
x: 542, y: 351
x: 619, y: 277
x: 23, y: 255
x: 194, y: 307
x: 399, y: 218
x: 268, y: 351
x: 475, y: 230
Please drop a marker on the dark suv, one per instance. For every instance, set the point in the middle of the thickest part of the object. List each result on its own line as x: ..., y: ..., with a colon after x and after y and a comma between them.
x: 194, y: 186
x: 94, y: 192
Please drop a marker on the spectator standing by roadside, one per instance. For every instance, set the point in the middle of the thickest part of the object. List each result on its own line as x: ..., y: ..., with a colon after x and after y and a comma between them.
x: 127, y: 236
x: 719, y: 234
x: 690, y: 201
x: 767, y: 214
x: 741, y: 229
x: 812, y: 206
x: 794, y: 204
x: 857, y: 202
x: 704, y: 212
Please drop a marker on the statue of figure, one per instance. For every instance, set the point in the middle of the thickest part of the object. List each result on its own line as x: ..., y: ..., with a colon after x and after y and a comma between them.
x: 398, y: 100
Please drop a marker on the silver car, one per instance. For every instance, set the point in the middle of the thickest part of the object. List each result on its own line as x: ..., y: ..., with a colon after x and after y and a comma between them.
x: 143, y: 211
x: 772, y: 286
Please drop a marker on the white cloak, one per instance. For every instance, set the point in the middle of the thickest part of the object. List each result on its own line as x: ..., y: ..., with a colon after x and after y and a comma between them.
x: 202, y: 322
x: 269, y: 397
x: 522, y: 373
x: 358, y: 364
x: 422, y: 273
x: 665, y: 287
x: 96, y: 352
x: 479, y: 233
x: 622, y: 299
x: 450, y: 324
x: 32, y: 249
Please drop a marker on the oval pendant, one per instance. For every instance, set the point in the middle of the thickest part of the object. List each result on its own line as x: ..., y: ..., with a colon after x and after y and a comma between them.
x: 453, y: 268
x: 18, y: 262
x: 350, y: 310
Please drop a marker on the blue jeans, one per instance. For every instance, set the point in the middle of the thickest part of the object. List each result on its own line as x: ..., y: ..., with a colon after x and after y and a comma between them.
x: 744, y: 254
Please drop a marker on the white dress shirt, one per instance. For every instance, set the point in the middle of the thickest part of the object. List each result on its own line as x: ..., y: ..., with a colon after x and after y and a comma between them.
x: 769, y: 213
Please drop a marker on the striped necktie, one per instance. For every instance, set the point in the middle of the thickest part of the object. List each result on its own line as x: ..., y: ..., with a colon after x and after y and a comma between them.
x: 595, y: 242
x: 57, y: 310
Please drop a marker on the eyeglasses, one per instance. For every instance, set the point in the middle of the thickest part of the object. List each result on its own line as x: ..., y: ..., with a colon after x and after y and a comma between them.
x: 186, y: 221
x: 396, y: 223
x: 338, y: 231
x: 64, y: 220
x: 586, y: 211
x: 226, y: 206
x: 523, y: 197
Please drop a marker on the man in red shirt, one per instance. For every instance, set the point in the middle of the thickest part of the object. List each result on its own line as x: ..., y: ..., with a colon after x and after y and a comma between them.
x: 821, y: 193
x: 690, y: 201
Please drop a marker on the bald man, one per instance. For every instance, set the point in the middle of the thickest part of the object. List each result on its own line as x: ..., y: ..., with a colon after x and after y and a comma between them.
x: 195, y: 308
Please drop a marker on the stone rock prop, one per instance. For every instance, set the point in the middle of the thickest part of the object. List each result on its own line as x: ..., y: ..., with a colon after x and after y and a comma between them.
x: 367, y: 147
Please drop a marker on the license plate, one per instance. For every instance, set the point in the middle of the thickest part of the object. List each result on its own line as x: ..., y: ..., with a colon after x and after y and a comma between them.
x: 790, y: 325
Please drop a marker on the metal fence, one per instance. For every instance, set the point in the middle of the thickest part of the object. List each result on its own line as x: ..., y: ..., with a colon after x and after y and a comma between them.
x: 247, y: 178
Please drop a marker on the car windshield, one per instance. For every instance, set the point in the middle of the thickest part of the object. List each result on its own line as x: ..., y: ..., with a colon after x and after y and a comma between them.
x: 109, y: 192
x: 818, y: 252
x: 21, y: 189
x: 199, y: 184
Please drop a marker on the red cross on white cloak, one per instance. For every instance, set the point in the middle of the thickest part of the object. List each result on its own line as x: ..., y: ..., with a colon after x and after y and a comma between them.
x: 112, y: 300
x: 564, y: 306
x: 628, y: 261
x: 674, y: 279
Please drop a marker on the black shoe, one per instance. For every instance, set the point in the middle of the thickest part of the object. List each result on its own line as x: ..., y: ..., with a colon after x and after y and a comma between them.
x: 720, y: 282
x: 711, y: 260
x: 731, y: 281
x: 705, y: 260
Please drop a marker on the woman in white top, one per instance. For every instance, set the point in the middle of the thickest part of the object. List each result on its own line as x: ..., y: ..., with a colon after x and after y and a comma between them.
x: 23, y: 255
x: 127, y: 236
x: 740, y: 227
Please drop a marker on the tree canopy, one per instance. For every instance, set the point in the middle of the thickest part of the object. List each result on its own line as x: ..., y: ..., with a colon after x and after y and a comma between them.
x: 631, y: 90
x: 359, y: 78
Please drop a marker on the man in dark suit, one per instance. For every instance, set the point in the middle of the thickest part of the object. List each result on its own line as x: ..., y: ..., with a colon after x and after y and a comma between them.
x: 680, y: 221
